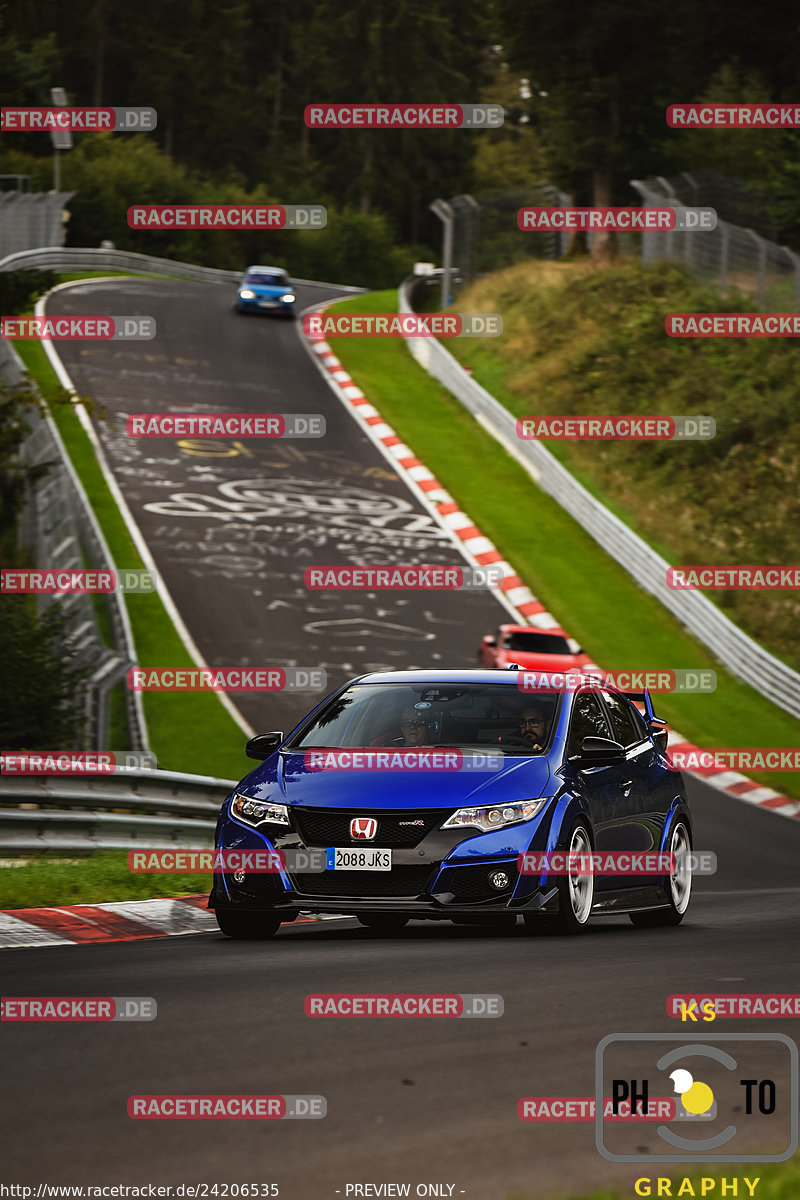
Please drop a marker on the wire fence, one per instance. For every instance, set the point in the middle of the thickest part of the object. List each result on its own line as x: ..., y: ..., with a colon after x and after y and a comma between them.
x: 733, y: 255
x: 60, y: 532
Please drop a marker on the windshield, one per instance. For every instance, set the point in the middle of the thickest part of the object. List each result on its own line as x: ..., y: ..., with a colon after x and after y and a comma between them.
x: 499, y: 717
x: 266, y: 278
x: 537, y: 643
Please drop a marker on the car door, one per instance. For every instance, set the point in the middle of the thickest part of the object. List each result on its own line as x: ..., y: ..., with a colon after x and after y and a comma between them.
x: 637, y: 826
x: 601, y: 787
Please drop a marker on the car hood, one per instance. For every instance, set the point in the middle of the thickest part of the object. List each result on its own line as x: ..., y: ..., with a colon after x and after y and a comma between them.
x: 285, y: 779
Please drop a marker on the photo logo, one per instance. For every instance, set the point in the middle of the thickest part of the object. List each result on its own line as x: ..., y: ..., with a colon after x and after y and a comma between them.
x: 75, y: 762
x: 726, y: 1086
x: 392, y: 1004
x: 682, y: 680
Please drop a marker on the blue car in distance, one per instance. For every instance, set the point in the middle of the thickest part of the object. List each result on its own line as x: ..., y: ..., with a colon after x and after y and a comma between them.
x: 266, y: 289
x: 420, y: 790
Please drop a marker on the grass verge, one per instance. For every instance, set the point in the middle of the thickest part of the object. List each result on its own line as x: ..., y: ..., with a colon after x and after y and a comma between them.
x: 97, y: 879
x: 620, y: 625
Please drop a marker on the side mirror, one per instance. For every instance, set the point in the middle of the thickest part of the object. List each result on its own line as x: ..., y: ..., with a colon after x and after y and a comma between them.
x: 263, y: 744
x: 489, y: 640
x: 660, y: 737
x: 601, y: 752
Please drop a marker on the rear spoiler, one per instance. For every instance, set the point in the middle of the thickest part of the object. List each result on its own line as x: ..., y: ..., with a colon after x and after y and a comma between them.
x: 645, y: 699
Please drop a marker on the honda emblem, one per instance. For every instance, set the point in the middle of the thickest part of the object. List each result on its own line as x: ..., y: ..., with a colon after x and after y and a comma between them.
x: 363, y: 829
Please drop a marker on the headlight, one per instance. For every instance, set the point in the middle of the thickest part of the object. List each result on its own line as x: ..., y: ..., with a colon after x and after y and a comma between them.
x: 246, y: 294
x: 258, y: 812
x: 288, y: 298
x: 495, y: 816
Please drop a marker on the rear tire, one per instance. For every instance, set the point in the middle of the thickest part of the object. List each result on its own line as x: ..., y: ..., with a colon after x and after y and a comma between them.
x: 383, y: 922
x: 680, y: 885
x: 247, y: 926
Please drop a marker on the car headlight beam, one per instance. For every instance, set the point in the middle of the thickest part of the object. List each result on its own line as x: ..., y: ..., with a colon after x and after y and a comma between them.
x: 246, y: 294
x: 258, y: 812
x: 289, y: 298
x: 495, y: 816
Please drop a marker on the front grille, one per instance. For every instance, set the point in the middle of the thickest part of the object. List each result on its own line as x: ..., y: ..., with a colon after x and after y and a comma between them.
x: 331, y: 826
x: 400, y: 881
x: 470, y: 885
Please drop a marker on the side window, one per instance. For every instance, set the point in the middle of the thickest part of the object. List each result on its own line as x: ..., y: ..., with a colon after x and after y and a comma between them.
x: 503, y: 639
x: 625, y: 728
x: 588, y: 720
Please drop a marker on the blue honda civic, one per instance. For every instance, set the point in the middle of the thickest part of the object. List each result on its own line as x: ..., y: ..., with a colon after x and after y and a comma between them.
x: 451, y: 795
x: 266, y: 289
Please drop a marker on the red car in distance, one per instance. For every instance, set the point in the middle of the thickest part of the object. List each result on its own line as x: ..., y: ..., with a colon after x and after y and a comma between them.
x: 534, y: 650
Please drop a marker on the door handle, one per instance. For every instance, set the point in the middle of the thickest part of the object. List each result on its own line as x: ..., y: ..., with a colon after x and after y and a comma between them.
x: 625, y: 786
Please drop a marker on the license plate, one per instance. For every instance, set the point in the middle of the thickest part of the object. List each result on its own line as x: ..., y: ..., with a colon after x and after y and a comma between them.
x: 268, y: 304
x: 341, y: 858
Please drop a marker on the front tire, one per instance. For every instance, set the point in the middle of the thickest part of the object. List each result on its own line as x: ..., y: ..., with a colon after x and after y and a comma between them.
x: 575, y: 893
x: 247, y: 926
x: 680, y: 885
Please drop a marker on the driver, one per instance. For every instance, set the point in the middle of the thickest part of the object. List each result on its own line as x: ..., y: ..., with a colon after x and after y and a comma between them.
x: 414, y: 729
x: 534, y: 726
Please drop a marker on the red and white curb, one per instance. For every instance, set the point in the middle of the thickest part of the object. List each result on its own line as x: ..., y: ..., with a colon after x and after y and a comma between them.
x: 125, y: 921
x: 512, y: 592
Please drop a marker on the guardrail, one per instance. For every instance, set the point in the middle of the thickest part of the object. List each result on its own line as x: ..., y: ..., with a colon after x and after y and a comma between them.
x: 739, y: 653
x: 114, y: 812
x: 68, y: 258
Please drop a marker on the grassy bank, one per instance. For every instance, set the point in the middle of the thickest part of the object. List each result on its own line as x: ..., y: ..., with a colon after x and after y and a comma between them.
x: 596, y: 600
x: 578, y: 340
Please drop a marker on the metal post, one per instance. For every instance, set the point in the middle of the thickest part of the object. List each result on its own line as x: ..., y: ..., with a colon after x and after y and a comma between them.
x: 445, y: 214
